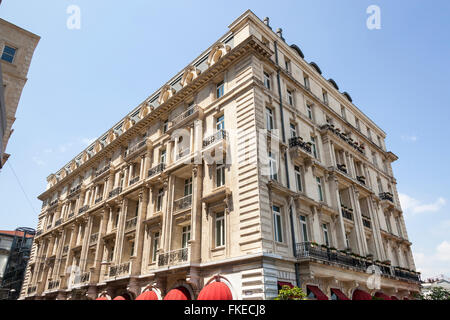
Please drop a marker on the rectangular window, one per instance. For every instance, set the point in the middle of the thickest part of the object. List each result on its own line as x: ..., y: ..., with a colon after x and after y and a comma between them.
x: 399, y: 228
x: 131, y: 248
x: 358, y: 126
x: 343, y: 114
x: 162, y: 157
x: 267, y: 82
x: 325, y: 97
x: 186, y: 236
x: 319, y: 188
x: 347, y: 241
x: 273, y: 166
x: 306, y: 82
x: 314, y: 147
x: 326, y: 237
x: 220, y: 229
x: 165, y: 126
x: 374, y: 159
x: 220, y: 175
x: 155, y: 246
x: 388, y: 223
x: 287, y: 65
x: 293, y: 130
x: 304, y: 228
x: 290, y: 97
x: 369, y: 134
x: 309, y: 111
x: 298, y: 178
x: 159, y: 200
x: 220, y: 123
x: 220, y: 90
x: 269, y: 119
x: 187, y: 187
x: 8, y: 54
x: 277, y: 224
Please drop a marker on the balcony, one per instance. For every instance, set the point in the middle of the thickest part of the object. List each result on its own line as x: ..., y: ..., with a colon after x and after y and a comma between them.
x: 184, y: 116
x: 406, y: 274
x: 93, y: 239
x: 83, y: 209
x: 52, y: 285
x: 298, y: 142
x: 115, y: 192
x: 52, y: 204
x: 358, y: 147
x: 98, y: 200
x: 65, y: 249
x: 183, y: 153
x: 119, y: 270
x: 74, y: 190
x: 99, y: 172
x: 71, y: 215
x: 31, y: 289
x: 58, y: 222
x: 387, y: 196
x: 361, y: 179
x: 173, y: 257
x: 131, y: 224
x: 134, y: 180
x: 84, y: 278
x: 342, y: 168
x: 218, y: 136
x: 156, y: 170
x: 135, y: 149
x: 183, y: 203
x: 347, y: 213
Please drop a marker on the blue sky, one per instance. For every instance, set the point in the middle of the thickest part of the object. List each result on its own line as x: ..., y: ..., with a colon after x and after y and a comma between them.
x: 81, y: 82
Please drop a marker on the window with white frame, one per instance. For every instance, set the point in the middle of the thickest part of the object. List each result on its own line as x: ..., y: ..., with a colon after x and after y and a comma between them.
x: 220, y: 123
x: 165, y: 126
x: 290, y: 97
x: 188, y: 187
x: 326, y: 235
x: 277, y: 224
x: 220, y: 175
x: 325, y: 97
x: 347, y: 240
x: 309, y: 111
x: 273, y: 166
x: 159, y: 200
x: 388, y: 222
x: 185, y: 236
x: 358, y: 126
x: 287, y: 64
x: 267, y: 80
x: 304, y: 228
x: 314, y: 147
x: 298, y: 178
x: 162, y: 156
x: 155, y: 246
x: 293, y: 130
x: 343, y: 114
x: 220, y: 89
x: 269, y: 119
x: 306, y: 82
x: 220, y: 229
x: 319, y: 188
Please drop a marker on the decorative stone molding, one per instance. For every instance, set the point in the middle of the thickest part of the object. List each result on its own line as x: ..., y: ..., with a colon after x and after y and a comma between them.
x: 190, y: 74
x: 166, y: 93
x: 218, y: 51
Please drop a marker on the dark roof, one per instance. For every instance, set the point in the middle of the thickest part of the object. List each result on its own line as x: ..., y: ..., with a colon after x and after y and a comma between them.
x: 333, y: 83
x: 297, y: 49
x: 347, y: 96
x: 315, y: 66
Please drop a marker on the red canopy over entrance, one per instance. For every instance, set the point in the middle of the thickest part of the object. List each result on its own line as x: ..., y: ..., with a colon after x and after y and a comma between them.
x: 215, y: 291
x: 148, y: 295
x: 361, y: 295
x: 102, y: 298
x: 319, y: 295
x: 382, y: 296
x: 394, y: 298
x: 180, y: 293
x: 119, y: 298
x: 340, y: 295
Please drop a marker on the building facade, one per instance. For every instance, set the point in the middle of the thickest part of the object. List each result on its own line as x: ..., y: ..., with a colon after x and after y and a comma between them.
x: 15, y: 249
x: 247, y: 168
x: 16, y: 51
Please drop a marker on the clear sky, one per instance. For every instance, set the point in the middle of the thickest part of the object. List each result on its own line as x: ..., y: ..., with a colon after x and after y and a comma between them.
x: 81, y: 82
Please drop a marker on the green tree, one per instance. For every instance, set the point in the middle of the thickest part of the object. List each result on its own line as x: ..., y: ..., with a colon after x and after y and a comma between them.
x: 438, y: 293
x: 288, y: 293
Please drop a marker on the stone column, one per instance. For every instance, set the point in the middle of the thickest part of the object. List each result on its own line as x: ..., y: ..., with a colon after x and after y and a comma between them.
x: 336, y: 203
x: 196, y: 213
x: 56, y: 271
x: 359, y: 228
x: 140, y: 232
x: 166, y: 216
x: 85, y: 246
x: 120, y: 232
x: 99, y: 249
x: 374, y: 207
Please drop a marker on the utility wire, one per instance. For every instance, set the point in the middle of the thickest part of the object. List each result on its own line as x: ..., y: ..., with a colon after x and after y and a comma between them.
x: 21, y: 187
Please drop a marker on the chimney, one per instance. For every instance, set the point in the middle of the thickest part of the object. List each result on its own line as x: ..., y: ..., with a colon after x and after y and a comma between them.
x: 280, y: 33
x: 266, y: 22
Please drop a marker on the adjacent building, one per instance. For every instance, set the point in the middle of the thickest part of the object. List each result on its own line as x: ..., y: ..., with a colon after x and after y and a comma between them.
x: 15, y: 249
x: 246, y: 171
x: 16, y: 51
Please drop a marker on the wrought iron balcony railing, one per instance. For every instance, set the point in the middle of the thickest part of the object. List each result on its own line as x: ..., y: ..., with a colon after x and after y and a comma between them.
x: 183, y: 203
x: 131, y: 224
x: 58, y: 222
x: 134, y: 180
x: 347, y: 213
x: 53, y: 285
x: 140, y: 145
x: 298, y: 142
x: 157, y: 169
x: 387, y: 196
x: 186, y: 114
x: 115, y: 192
x: 31, y: 289
x: 173, y: 257
x: 118, y: 270
x: 218, y: 136
x: 75, y: 190
x: 344, y: 137
x: 366, y: 222
x: 98, y: 200
x: 102, y: 170
x: 342, y: 167
x: 83, y: 209
x: 361, y: 179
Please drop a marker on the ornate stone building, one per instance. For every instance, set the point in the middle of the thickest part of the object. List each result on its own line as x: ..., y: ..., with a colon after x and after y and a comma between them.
x: 247, y: 168
x: 16, y: 50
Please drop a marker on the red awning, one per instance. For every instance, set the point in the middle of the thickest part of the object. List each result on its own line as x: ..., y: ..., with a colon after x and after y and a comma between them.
x: 405, y: 298
x: 148, y: 295
x: 283, y: 283
x: 317, y: 292
x: 361, y: 295
x: 215, y: 291
x: 180, y: 293
x: 339, y: 294
x: 382, y: 296
x: 394, y: 298
x: 119, y: 298
x: 102, y: 298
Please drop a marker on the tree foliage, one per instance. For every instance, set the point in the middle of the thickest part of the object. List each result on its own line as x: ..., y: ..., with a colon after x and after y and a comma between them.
x: 288, y: 293
x: 437, y: 293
